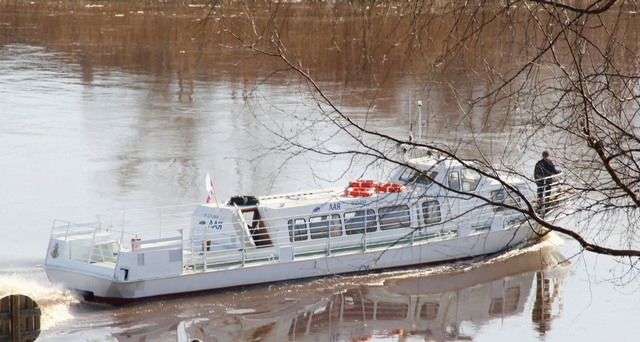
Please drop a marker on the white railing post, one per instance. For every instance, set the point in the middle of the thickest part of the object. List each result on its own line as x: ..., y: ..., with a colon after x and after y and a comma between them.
x: 93, y: 241
x: 244, y: 239
x: 204, y: 247
x: 66, y: 234
x: 160, y: 223
x: 122, y: 243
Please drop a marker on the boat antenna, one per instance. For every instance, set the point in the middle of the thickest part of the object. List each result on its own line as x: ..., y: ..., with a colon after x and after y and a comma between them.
x: 420, y: 121
x: 410, y: 120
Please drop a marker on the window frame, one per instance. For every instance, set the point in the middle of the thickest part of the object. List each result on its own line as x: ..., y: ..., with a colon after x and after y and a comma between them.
x: 353, y: 228
x: 425, y: 212
x: 396, y: 220
x: 472, y: 182
x: 450, y: 178
x: 298, y: 231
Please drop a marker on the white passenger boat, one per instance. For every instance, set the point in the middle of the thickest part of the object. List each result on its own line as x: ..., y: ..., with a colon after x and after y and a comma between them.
x: 410, y: 220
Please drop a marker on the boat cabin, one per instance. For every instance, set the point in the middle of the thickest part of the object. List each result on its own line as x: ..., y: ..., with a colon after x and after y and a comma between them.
x: 366, y: 214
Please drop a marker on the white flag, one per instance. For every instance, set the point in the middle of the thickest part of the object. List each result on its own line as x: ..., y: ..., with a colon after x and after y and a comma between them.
x: 210, y: 190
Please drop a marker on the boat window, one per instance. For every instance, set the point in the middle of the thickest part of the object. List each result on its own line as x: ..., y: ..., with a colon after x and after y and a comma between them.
x: 470, y: 179
x: 411, y: 176
x: 408, y: 176
x: 336, y: 225
x: 320, y: 226
x: 394, y: 217
x: 502, y: 196
x: 454, y: 180
x: 297, y: 229
x: 356, y: 221
x: 431, y: 212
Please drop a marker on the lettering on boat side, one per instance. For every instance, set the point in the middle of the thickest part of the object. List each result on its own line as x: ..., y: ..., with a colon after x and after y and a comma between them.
x: 210, y: 215
x: 334, y: 206
x: 362, y: 202
x: 364, y: 268
x: 215, y: 225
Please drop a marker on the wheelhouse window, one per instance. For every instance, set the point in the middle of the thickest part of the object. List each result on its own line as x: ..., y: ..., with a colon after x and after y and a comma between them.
x: 454, y: 180
x: 394, y: 217
x: 412, y: 176
x: 470, y: 179
x: 356, y: 222
x: 297, y: 229
x: 431, y: 212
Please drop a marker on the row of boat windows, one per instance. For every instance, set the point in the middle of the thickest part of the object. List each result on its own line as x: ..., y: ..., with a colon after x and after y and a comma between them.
x: 360, y: 221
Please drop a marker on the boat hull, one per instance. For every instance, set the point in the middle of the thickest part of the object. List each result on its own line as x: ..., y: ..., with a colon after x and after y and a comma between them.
x: 104, y: 288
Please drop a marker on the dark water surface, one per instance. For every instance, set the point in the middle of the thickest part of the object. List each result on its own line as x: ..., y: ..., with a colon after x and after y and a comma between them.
x: 114, y: 105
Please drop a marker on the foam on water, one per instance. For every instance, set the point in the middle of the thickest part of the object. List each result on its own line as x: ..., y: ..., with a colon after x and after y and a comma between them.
x: 183, y: 329
x: 55, y: 302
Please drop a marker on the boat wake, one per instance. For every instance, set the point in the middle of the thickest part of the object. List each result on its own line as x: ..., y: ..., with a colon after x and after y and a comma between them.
x: 55, y: 302
x: 541, y: 253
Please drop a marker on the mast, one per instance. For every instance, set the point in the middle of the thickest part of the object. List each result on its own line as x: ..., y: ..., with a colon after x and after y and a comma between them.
x: 420, y: 121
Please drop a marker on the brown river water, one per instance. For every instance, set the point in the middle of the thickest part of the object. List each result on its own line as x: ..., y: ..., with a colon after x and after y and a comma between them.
x: 108, y: 105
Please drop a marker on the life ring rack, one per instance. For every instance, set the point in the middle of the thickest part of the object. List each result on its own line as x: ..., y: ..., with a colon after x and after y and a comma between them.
x: 359, y: 192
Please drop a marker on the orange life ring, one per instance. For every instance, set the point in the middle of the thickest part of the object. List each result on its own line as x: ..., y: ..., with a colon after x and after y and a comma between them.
x: 391, y: 187
x: 363, y: 183
x: 358, y: 192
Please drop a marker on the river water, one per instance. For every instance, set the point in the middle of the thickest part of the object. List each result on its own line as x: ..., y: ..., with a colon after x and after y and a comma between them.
x: 108, y: 106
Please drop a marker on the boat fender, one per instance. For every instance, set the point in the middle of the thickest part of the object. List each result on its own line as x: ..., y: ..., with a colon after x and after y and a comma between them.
x: 359, y: 192
x: 363, y: 183
x: 391, y: 187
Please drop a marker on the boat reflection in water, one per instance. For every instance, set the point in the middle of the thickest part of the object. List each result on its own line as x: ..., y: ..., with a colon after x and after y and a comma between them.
x: 448, y: 305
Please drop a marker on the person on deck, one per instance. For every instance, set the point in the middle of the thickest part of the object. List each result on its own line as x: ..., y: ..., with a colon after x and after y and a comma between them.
x: 542, y: 173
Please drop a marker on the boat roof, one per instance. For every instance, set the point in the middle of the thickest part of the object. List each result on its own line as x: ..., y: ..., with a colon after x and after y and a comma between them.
x: 336, y: 194
x: 303, y: 198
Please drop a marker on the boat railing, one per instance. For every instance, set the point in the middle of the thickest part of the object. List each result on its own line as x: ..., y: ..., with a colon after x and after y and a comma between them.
x: 99, y: 238
x: 552, y: 194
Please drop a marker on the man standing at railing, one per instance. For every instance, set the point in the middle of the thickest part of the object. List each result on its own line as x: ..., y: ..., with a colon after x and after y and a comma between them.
x: 542, y: 173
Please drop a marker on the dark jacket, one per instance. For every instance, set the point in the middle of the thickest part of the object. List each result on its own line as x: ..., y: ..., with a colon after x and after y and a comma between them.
x: 544, y: 168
